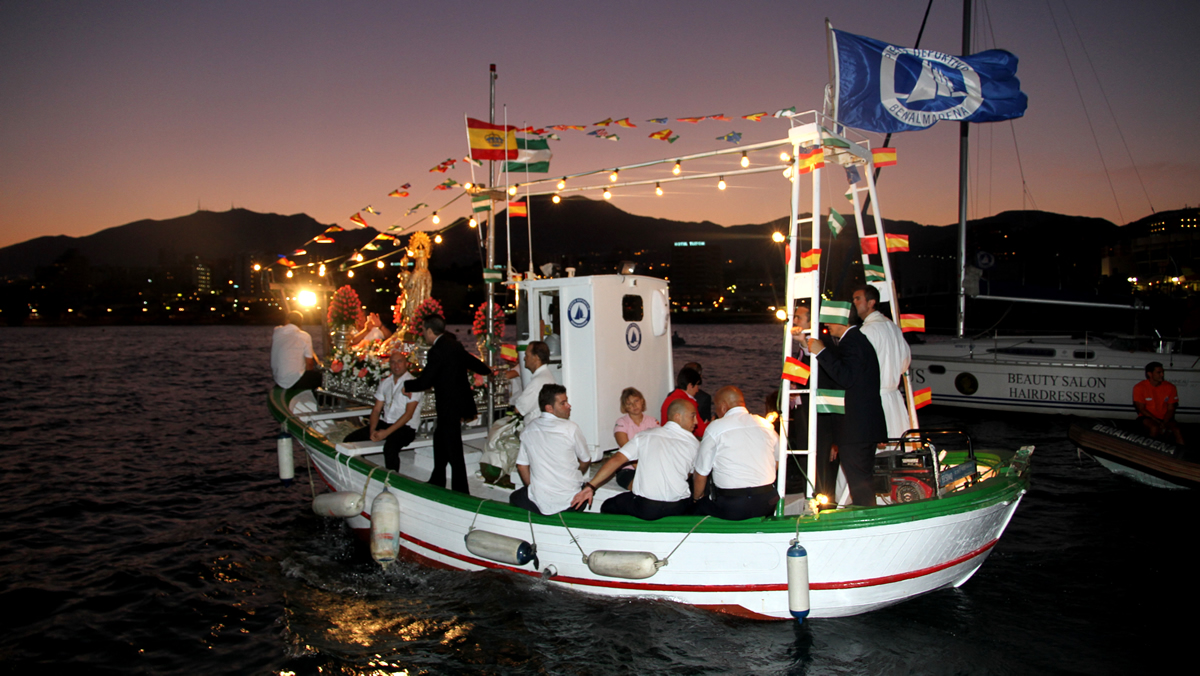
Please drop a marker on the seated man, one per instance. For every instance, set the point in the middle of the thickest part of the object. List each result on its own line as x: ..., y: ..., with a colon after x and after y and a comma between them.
x: 370, y: 332
x: 1156, y: 400
x: 293, y: 363
x: 687, y: 384
x: 666, y: 456
x: 554, y: 455
x: 503, y: 443
x: 738, y: 450
x: 396, y: 415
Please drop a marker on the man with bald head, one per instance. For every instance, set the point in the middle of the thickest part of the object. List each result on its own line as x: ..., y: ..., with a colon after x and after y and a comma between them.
x: 738, y: 451
x: 666, y: 456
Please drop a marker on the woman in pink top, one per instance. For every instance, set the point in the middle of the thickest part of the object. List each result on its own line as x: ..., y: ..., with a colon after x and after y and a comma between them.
x: 635, y: 420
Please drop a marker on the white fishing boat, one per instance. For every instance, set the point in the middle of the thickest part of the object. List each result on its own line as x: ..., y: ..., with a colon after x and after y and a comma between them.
x: 614, y: 332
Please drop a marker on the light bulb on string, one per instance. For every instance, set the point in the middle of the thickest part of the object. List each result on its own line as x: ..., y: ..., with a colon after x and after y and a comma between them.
x: 784, y: 157
x: 350, y: 273
x: 436, y: 219
x: 778, y: 237
x: 472, y: 223
x: 607, y: 194
x: 658, y: 190
x: 468, y: 185
x: 562, y: 183
x: 745, y: 161
x: 721, y: 183
x: 614, y: 176
x: 556, y: 199
x: 437, y: 239
x: 321, y: 270
x: 678, y: 168
x: 358, y: 257
x: 289, y: 274
x: 512, y: 190
x: 379, y: 264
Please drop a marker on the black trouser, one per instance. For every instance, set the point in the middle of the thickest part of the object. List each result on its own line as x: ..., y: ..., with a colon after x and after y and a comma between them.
x: 520, y: 498
x: 448, y: 450
x: 858, y: 464
x: 392, y: 445
x: 311, y: 380
x: 739, y: 504
x: 645, y: 508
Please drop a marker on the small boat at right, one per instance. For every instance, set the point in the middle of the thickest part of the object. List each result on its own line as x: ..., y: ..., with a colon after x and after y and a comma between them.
x: 1155, y: 463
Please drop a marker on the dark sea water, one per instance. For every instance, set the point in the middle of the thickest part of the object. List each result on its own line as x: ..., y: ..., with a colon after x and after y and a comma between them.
x: 144, y: 531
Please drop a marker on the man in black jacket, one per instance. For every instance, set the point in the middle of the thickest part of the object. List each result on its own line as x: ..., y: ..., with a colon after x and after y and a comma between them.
x: 855, y: 367
x: 445, y: 372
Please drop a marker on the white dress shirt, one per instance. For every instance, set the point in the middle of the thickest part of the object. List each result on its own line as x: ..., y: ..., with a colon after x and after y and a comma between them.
x: 738, y: 449
x: 552, y: 448
x: 666, y: 456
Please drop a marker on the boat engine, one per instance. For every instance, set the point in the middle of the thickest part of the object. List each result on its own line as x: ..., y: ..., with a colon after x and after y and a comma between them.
x: 912, y: 469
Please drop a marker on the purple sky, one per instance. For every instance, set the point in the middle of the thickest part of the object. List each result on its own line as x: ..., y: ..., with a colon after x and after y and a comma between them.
x: 117, y: 111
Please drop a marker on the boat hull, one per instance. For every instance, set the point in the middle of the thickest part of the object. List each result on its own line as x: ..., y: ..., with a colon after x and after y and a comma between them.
x: 859, y: 560
x: 1153, y: 463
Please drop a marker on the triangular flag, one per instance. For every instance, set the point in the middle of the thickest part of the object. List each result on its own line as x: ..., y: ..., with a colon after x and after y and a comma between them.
x: 357, y: 218
x: 836, y: 222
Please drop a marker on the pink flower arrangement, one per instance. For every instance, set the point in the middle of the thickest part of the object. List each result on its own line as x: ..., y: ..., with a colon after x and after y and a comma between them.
x: 429, y: 308
x: 345, y: 308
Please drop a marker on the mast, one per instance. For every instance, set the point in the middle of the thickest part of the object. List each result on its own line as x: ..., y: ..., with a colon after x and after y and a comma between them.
x: 963, y: 133
x: 490, y: 294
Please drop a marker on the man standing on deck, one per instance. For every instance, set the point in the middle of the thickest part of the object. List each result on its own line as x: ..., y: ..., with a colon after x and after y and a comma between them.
x: 445, y: 372
x: 738, y: 451
x: 1156, y: 400
x: 293, y: 362
x: 893, y: 354
x: 553, y: 458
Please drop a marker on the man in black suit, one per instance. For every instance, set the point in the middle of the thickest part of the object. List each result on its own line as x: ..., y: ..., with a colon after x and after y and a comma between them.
x: 855, y: 367
x: 445, y: 372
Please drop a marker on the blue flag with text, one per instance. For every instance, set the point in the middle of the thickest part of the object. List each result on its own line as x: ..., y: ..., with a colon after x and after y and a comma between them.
x: 884, y: 88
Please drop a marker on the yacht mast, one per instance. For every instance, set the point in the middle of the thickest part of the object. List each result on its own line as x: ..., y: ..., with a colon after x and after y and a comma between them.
x: 963, y: 133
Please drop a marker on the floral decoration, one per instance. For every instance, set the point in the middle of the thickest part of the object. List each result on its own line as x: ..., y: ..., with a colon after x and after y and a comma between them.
x: 345, y: 308
x: 429, y: 308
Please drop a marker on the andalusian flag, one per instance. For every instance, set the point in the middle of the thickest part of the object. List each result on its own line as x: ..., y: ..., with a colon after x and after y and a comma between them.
x: 870, y: 245
x: 831, y: 401
x: 873, y: 273
x: 836, y: 222
x: 491, y: 141
x: 834, y: 142
x: 508, y: 352
x: 809, y: 260
x: 795, y: 371
x: 883, y: 157
x: 922, y: 398
x: 359, y: 219
x: 912, y: 323
x: 480, y: 203
x: 835, y: 312
x: 533, y: 156
x: 809, y: 159
x: 517, y: 209
x: 896, y: 243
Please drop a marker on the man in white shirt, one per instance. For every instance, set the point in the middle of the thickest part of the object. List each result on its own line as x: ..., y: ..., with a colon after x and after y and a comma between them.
x: 893, y: 354
x: 666, y: 456
x: 554, y: 455
x: 738, y: 450
x: 537, y: 360
x: 500, y: 453
x: 396, y: 415
x: 293, y: 362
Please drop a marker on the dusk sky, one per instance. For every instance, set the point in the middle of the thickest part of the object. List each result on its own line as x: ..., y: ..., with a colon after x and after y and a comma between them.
x: 118, y: 111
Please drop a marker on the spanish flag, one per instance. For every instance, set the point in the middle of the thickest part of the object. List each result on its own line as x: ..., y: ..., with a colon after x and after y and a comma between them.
x: 359, y: 219
x: 912, y: 323
x: 491, y: 141
x: 883, y: 157
x: 809, y: 260
x: 795, y: 371
x: 922, y: 398
x: 869, y: 244
x: 809, y: 159
x: 896, y: 243
x: 517, y: 209
x: 508, y: 352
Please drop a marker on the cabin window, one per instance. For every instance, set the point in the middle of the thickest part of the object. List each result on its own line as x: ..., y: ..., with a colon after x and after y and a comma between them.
x: 937, y: 368
x: 631, y: 308
x: 523, y: 316
x: 1026, y: 351
x: 1084, y: 354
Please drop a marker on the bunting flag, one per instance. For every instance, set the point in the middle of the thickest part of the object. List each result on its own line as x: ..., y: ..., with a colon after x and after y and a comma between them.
x: 831, y: 401
x: 474, y: 163
x: 658, y: 120
x: 418, y: 206
x: 834, y: 142
x: 480, y: 203
x: 491, y: 141
x: 720, y: 117
x: 384, y: 235
x: 809, y: 159
x: 835, y: 312
x: 446, y: 185
x: 785, y: 112
x: 531, y: 130
x: 598, y: 133
x: 357, y: 218
x: 870, y: 245
x: 322, y: 239
x: 690, y: 120
x: 444, y: 166
x: 796, y: 371
x: 734, y: 137
x: 517, y: 209
x: 922, y: 398
x: 836, y: 222
x: 334, y: 228
x: 664, y: 135
x: 398, y: 193
x: 369, y: 210
x: 299, y: 252
x: 568, y: 127
x: 755, y: 117
x: 852, y: 177
x: 603, y: 123
x: 554, y: 137
x: 285, y: 262
x: 883, y: 157
x: 896, y: 243
x: 533, y: 156
x: 611, y: 137
x: 508, y: 352
x: 912, y: 323
x: 624, y: 122
x: 873, y: 273
x: 809, y: 260
x: 371, y: 246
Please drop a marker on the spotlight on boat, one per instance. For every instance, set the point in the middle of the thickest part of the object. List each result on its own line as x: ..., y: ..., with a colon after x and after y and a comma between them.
x: 307, y: 298
x: 556, y: 199
x: 658, y: 190
x: 745, y: 161
x: 721, y: 183
x: 607, y: 194
x: 678, y: 168
x: 777, y: 237
x: 781, y: 315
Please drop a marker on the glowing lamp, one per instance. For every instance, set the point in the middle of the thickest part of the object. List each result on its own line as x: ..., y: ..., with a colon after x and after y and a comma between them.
x: 777, y: 237
x: 721, y: 183
x: 614, y: 176
x: 350, y: 273
x: 745, y: 161
x: 781, y: 315
x: 379, y: 264
x: 289, y: 274
x: 437, y: 239
x: 658, y: 190
x: 784, y: 157
x: 607, y: 194
x: 678, y: 168
x: 307, y: 298
x: 556, y: 199
x: 512, y: 190
x: 472, y: 223
x: 436, y: 219
x: 563, y: 183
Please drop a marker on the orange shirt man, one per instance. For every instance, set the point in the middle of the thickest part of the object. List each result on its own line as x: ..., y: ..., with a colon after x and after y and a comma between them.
x: 1155, y: 400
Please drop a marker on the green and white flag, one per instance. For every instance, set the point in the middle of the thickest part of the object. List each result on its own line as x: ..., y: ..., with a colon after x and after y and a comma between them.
x: 873, y: 273
x: 480, y: 203
x: 831, y: 401
x: 836, y: 222
x: 835, y: 312
x: 533, y: 156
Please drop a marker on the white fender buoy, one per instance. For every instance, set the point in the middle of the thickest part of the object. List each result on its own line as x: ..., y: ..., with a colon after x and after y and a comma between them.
x: 342, y: 504
x: 385, y: 528
x: 628, y: 565
x: 287, y: 464
x: 797, y: 572
x: 496, y: 547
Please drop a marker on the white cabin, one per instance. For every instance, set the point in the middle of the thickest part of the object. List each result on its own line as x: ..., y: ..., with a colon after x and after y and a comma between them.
x: 613, y: 332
